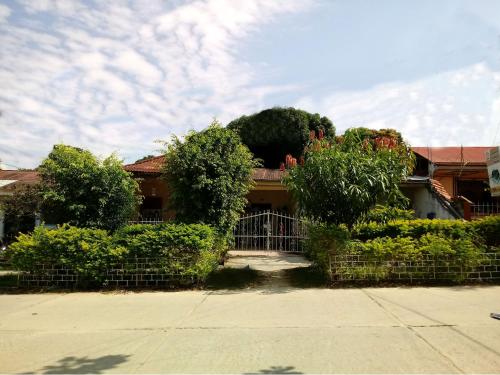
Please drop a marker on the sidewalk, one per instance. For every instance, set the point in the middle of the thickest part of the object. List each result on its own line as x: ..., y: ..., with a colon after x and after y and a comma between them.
x: 280, y: 329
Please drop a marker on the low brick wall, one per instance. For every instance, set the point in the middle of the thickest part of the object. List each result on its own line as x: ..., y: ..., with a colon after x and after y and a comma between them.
x: 134, y: 273
x: 361, y: 268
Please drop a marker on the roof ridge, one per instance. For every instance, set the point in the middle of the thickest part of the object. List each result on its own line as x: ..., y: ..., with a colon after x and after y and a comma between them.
x: 146, y: 160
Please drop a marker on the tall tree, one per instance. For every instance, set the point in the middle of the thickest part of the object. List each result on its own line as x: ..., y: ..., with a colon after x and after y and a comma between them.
x: 338, y: 182
x: 80, y: 189
x: 273, y: 133
x: 209, y: 174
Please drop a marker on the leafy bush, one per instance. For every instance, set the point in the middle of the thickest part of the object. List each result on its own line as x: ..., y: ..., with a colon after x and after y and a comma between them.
x: 384, y: 214
x: 324, y: 241
x: 190, y: 249
x: 209, y: 174
x: 455, y: 229
x: 338, y: 183
x: 489, y: 229
x: 79, y: 189
x: 184, y: 250
x: 86, y: 251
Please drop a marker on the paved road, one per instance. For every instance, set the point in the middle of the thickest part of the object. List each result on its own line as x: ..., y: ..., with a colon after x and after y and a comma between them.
x: 280, y: 329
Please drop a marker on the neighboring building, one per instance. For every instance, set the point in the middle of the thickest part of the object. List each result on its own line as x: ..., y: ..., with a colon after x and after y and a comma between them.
x: 463, y: 173
x: 9, y: 181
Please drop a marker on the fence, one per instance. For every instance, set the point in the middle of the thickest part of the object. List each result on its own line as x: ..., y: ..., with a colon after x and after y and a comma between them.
x: 428, y: 268
x: 133, y: 273
x: 485, y: 209
x: 271, y: 231
x: 146, y: 221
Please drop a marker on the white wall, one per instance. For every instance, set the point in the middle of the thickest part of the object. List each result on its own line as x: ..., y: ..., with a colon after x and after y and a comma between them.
x: 425, y: 202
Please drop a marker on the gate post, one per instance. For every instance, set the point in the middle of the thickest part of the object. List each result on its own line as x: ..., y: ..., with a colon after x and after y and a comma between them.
x: 268, y: 228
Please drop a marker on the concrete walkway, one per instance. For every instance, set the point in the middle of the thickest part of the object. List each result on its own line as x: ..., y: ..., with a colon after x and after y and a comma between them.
x: 263, y: 330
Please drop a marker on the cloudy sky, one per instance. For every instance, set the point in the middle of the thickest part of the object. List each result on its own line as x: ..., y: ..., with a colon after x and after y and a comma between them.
x: 115, y: 76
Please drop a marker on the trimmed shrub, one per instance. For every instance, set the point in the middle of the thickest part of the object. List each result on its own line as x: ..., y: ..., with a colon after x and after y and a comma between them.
x: 324, y: 241
x: 488, y: 228
x: 86, y: 251
x: 455, y: 229
x: 187, y: 251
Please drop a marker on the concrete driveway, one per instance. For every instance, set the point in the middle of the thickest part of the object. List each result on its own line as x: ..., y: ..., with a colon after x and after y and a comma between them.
x: 264, y: 330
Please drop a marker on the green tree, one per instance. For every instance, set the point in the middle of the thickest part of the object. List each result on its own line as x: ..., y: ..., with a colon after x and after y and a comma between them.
x: 209, y: 174
x: 79, y: 189
x: 273, y: 133
x: 338, y: 182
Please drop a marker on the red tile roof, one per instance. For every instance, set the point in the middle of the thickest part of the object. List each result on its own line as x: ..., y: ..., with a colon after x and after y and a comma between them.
x: 154, y: 165
x: 151, y: 165
x: 453, y: 155
x: 266, y: 174
x: 439, y: 189
x: 17, y: 177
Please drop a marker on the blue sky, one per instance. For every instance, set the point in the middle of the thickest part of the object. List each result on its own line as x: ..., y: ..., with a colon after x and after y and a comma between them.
x: 116, y: 76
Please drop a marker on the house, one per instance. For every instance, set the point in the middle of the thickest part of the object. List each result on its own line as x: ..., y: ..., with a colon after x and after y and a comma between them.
x: 449, y: 183
x: 9, y: 181
x: 428, y: 196
x: 463, y: 173
x: 268, y: 192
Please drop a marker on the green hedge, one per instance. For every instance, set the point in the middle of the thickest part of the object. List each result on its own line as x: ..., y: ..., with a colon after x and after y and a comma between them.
x: 488, y: 229
x: 185, y: 250
x: 413, y: 228
x: 86, y: 251
x: 450, y: 244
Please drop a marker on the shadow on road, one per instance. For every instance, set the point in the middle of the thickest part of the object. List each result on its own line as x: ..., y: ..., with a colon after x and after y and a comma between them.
x: 277, y: 370
x: 236, y: 280
x: 84, y: 365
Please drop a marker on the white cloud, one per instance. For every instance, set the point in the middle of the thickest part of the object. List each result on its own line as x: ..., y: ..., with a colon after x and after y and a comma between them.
x: 4, y: 12
x: 432, y: 111
x: 116, y: 77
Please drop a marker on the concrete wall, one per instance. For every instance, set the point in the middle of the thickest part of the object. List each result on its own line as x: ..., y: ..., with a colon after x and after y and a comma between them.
x: 424, y: 203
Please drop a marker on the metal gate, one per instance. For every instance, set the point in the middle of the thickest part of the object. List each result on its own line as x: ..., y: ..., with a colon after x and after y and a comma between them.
x: 270, y: 230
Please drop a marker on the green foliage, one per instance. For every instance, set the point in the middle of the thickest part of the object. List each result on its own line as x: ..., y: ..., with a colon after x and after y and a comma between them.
x: 384, y: 214
x: 86, y: 251
x: 413, y: 228
x: 190, y: 250
x: 209, y: 175
x: 81, y: 190
x: 179, y: 249
x: 325, y: 241
x: 273, y: 133
x: 338, y: 183
x: 489, y: 229
x: 20, y: 208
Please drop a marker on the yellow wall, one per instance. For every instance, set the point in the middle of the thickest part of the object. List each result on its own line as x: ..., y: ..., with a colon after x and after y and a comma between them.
x: 264, y: 192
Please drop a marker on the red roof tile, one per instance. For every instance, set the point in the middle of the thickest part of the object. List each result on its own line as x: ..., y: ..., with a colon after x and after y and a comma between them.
x: 154, y: 165
x: 151, y: 165
x: 453, y: 155
x: 17, y: 178
x: 439, y: 189
x: 265, y: 174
